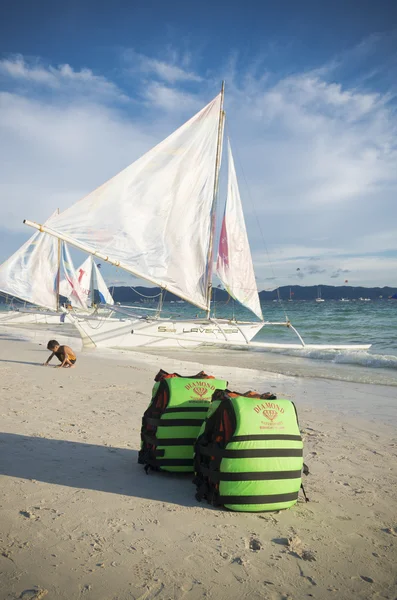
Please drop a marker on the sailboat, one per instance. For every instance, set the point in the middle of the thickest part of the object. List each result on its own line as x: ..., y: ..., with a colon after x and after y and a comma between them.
x: 90, y: 279
x: 156, y: 219
x: 32, y: 275
x: 319, y: 299
x: 290, y: 299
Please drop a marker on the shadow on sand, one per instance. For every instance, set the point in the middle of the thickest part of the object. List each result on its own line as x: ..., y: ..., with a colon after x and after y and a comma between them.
x: 20, y: 362
x: 91, y: 467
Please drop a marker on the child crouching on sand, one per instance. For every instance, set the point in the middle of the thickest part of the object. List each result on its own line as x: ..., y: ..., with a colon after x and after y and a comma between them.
x: 63, y: 353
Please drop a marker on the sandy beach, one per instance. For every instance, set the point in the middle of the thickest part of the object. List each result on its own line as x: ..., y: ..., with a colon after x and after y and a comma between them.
x: 81, y: 519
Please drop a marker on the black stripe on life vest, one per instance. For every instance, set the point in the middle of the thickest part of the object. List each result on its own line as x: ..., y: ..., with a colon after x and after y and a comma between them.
x: 252, y: 476
x: 187, y: 409
x: 270, y: 499
x: 174, y: 422
x: 174, y: 462
x: 174, y: 442
x: 265, y: 437
x: 251, y: 453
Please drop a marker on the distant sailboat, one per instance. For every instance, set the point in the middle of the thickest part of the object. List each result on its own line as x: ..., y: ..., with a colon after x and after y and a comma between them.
x: 319, y: 299
x: 156, y: 219
x: 90, y: 279
x: 290, y: 299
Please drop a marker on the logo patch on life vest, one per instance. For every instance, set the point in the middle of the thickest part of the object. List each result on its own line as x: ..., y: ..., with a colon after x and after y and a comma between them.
x: 270, y: 414
x: 200, y: 391
x: 269, y: 408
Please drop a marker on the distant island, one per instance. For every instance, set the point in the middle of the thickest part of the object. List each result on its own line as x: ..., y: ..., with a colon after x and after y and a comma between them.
x: 124, y: 294
x: 328, y: 292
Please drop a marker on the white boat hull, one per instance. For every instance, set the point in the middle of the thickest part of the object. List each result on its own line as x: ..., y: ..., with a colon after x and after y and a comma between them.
x: 22, y: 317
x: 136, y: 332
x: 25, y: 316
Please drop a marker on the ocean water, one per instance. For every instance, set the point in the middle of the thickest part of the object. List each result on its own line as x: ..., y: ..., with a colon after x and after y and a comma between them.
x: 328, y: 322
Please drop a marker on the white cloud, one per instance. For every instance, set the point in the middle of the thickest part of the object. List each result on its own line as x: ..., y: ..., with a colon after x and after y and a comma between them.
x: 60, y: 78
x: 171, y: 99
x: 169, y: 71
x: 51, y: 155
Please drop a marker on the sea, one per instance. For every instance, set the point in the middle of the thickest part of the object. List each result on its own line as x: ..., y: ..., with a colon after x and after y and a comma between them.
x: 329, y: 322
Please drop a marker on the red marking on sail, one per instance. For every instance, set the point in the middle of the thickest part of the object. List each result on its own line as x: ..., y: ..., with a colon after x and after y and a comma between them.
x: 223, y: 251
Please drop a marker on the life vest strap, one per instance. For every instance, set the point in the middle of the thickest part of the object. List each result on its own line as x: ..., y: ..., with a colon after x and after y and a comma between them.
x: 173, y: 422
x: 174, y: 462
x: 266, y: 437
x: 269, y: 499
x: 216, y: 476
x: 212, y: 450
x: 155, y: 441
x: 177, y: 409
x: 304, y: 493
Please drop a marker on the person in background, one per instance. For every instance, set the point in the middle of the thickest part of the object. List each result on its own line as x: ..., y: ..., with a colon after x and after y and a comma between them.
x: 64, y: 354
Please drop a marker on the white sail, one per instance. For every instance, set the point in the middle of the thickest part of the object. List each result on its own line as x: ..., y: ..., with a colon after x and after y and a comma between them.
x: 89, y: 278
x: 99, y: 284
x: 234, y: 262
x: 84, y: 277
x: 155, y: 216
x: 30, y: 274
x: 76, y: 295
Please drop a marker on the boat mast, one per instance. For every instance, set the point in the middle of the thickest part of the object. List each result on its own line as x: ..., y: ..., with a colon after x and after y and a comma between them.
x: 92, y: 290
x: 214, y: 200
x: 58, y: 271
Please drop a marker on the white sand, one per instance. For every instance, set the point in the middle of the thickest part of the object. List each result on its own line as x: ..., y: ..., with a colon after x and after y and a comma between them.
x: 79, y: 517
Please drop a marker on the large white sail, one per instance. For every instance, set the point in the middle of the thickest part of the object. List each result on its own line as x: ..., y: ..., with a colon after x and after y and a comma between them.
x: 154, y: 217
x: 234, y: 262
x: 30, y: 274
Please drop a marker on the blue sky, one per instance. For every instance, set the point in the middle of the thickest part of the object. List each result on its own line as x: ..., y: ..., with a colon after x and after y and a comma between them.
x: 87, y: 87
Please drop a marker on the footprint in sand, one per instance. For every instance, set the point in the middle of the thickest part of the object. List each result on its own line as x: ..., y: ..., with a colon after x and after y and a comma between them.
x: 33, y: 594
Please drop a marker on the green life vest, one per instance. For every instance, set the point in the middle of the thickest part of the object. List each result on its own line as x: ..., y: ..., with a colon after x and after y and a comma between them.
x: 172, y: 421
x: 249, y: 453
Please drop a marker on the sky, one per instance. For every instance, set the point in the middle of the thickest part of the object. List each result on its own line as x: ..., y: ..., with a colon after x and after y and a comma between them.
x: 311, y: 102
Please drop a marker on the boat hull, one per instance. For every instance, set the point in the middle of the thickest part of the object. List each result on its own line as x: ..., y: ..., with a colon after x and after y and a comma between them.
x: 21, y: 317
x: 26, y: 316
x: 138, y: 332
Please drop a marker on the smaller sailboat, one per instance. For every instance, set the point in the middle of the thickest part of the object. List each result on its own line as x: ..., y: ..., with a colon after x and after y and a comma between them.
x: 90, y: 280
x: 319, y: 299
x: 290, y: 299
x: 32, y: 277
